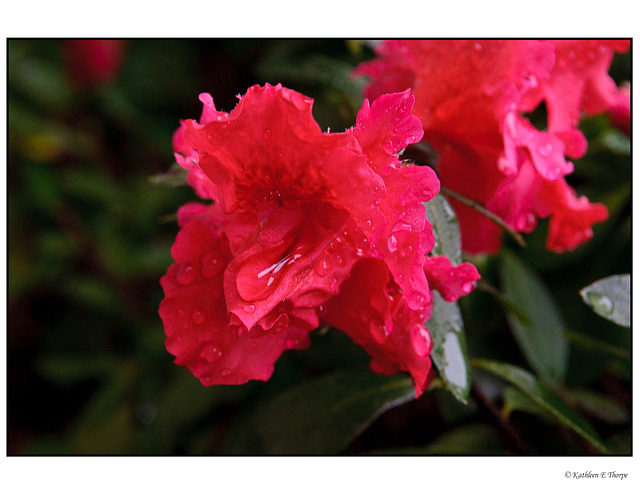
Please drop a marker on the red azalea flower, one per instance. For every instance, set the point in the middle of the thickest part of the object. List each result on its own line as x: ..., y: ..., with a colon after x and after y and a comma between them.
x: 298, y: 218
x: 93, y: 62
x: 620, y: 110
x: 470, y: 95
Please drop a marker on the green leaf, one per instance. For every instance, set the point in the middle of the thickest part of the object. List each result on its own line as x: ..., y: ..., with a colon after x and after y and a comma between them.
x: 176, y: 176
x: 446, y: 326
x: 543, y: 397
x: 514, y: 400
x: 470, y: 439
x: 445, y: 229
x: 323, y: 416
x: 449, y: 347
x: 610, y: 298
x: 540, y: 335
x: 600, y: 406
x: 594, y: 345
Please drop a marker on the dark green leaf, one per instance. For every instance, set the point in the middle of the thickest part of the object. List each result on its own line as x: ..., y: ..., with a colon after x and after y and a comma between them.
x: 471, y: 439
x: 611, y: 298
x: 324, y: 415
x: 543, y: 397
x: 449, y: 347
x: 594, y: 345
x: 600, y: 406
x: 514, y: 400
x: 541, y: 336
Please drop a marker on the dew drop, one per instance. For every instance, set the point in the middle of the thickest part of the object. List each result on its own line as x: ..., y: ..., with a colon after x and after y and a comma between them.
x: 323, y: 267
x: 291, y: 343
x: 186, y: 274
x: 237, y: 330
x: 392, y: 243
x: 421, y: 340
x: 378, y: 330
x: 601, y: 303
x: 259, y: 275
x: 404, y: 252
x: 250, y: 308
x: 212, y: 264
x: 198, y: 317
x: 525, y: 222
x: 225, y: 372
x: 545, y: 149
x: 467, y: 287
x: 211, y: 353
x: 416, y: 301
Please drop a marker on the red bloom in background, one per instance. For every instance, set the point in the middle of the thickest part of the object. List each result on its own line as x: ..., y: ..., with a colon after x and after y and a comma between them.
x: 470, y: 96
x: 306, y: 228
x: 93, y: 62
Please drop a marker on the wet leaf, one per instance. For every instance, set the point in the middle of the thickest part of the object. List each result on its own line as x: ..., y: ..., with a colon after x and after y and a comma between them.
x: 544, y: 398
x: 610, y: 298
x: 449, y: 353
x: 324, y: 415
x: 541, y: 335
x: 445, y: 229
x: 446, y: 326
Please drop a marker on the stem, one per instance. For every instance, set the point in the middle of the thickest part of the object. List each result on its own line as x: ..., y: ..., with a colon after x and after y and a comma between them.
x: 503, y: 425
x: 489, y: 214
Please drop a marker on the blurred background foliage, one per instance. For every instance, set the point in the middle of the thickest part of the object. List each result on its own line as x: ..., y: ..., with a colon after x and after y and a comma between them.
x: 89, y: 236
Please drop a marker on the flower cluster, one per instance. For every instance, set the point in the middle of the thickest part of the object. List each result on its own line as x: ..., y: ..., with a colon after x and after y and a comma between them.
x: 471, y: 96
x: 306, y: 228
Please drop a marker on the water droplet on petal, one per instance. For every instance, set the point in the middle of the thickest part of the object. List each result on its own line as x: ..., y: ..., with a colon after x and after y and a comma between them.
x: 416, y: 301
x: 421, y: 340
x: 378, y: 330
x: 404, y: 252
x: 211, y: 353
x: 198, y: 317
x: 250, y: 308
x: 186, y: 274
x: 225, y: 372
x: 478, y: 46
x: 525, y: 222
x: 467, y: 287
x: 259, y: 275
x: 545, y: 149
x: 323, y: 267
x: 291, y: 343
x: 212, y: 264
x: 392, y: 243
